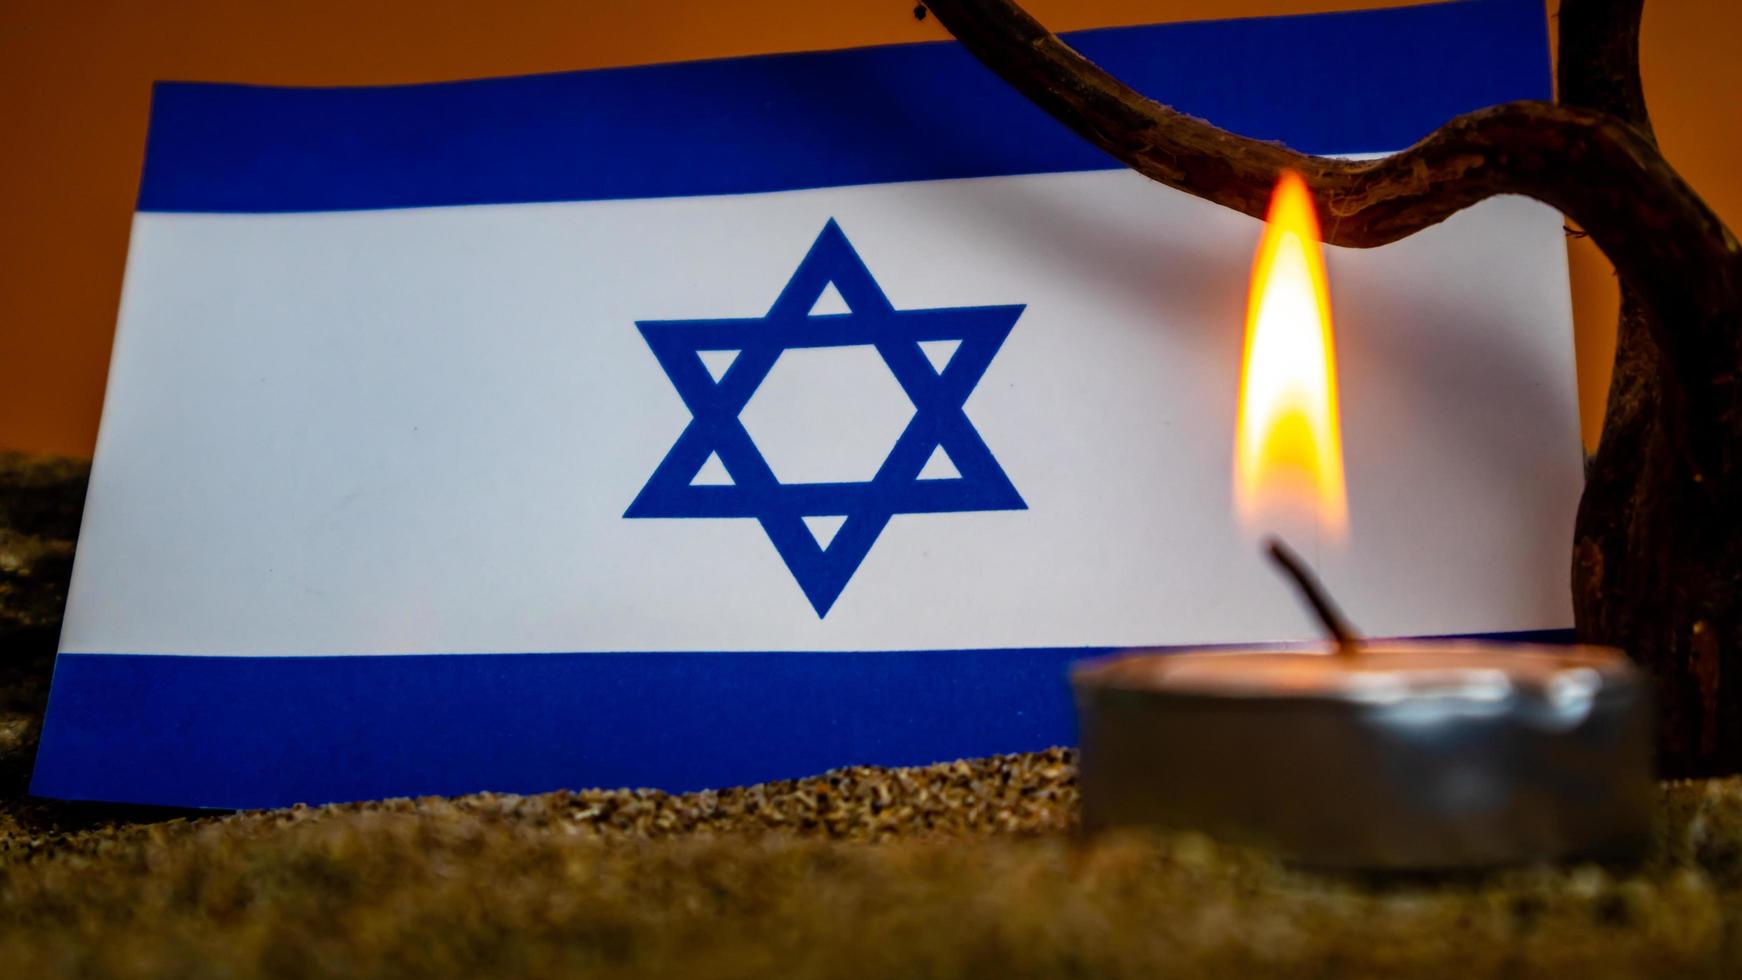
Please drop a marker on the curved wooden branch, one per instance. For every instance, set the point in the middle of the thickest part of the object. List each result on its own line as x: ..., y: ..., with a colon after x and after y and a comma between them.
x: 1658, y: 545
x: 1598, y: 67
x: 1603, y: 173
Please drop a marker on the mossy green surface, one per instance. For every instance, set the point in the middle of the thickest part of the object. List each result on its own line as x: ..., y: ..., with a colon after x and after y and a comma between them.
x: 866, y: 873
x: 968, y: 869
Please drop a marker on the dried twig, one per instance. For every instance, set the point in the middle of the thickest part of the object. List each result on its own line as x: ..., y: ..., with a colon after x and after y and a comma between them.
x: 1600, y: 171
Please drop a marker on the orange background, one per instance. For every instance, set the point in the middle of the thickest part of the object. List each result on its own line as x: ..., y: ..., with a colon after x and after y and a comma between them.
x: 75, y: 83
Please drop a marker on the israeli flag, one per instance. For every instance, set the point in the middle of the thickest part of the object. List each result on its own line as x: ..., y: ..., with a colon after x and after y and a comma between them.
x: 700, y: 424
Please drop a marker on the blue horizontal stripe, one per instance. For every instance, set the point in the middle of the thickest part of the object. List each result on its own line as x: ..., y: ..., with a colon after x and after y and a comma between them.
x: 271, y: 731
x: 1329, y: 83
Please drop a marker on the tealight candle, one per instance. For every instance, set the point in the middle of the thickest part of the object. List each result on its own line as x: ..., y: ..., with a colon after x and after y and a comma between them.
x: 1366, y: 754
x: 1398, y: 756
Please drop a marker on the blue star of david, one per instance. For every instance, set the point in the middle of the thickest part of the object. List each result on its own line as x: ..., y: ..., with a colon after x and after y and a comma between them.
x: 822, y: 572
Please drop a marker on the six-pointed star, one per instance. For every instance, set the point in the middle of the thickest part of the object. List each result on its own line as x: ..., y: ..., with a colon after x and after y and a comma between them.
x: 754, y: 491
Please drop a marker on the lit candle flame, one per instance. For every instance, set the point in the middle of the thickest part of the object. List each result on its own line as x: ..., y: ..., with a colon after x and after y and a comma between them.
x: 1288, y: 444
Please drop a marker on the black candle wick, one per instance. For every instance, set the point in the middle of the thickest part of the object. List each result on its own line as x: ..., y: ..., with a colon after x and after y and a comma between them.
x: 1342, y: 634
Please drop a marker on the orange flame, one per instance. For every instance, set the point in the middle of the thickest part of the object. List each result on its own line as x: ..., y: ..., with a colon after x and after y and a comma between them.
x: 1288, y: 446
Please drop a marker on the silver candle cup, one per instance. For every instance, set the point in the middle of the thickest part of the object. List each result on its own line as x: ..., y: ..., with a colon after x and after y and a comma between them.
x: 1407, y: 756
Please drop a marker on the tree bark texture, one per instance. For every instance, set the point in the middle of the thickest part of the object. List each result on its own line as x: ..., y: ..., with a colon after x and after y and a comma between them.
x: 1657, y: 555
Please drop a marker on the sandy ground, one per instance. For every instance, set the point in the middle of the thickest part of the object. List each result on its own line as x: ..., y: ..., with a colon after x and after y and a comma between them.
x: 970, y: 869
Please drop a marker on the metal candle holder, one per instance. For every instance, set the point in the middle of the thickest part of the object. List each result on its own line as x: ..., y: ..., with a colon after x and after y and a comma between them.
x: 1381, y: 755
